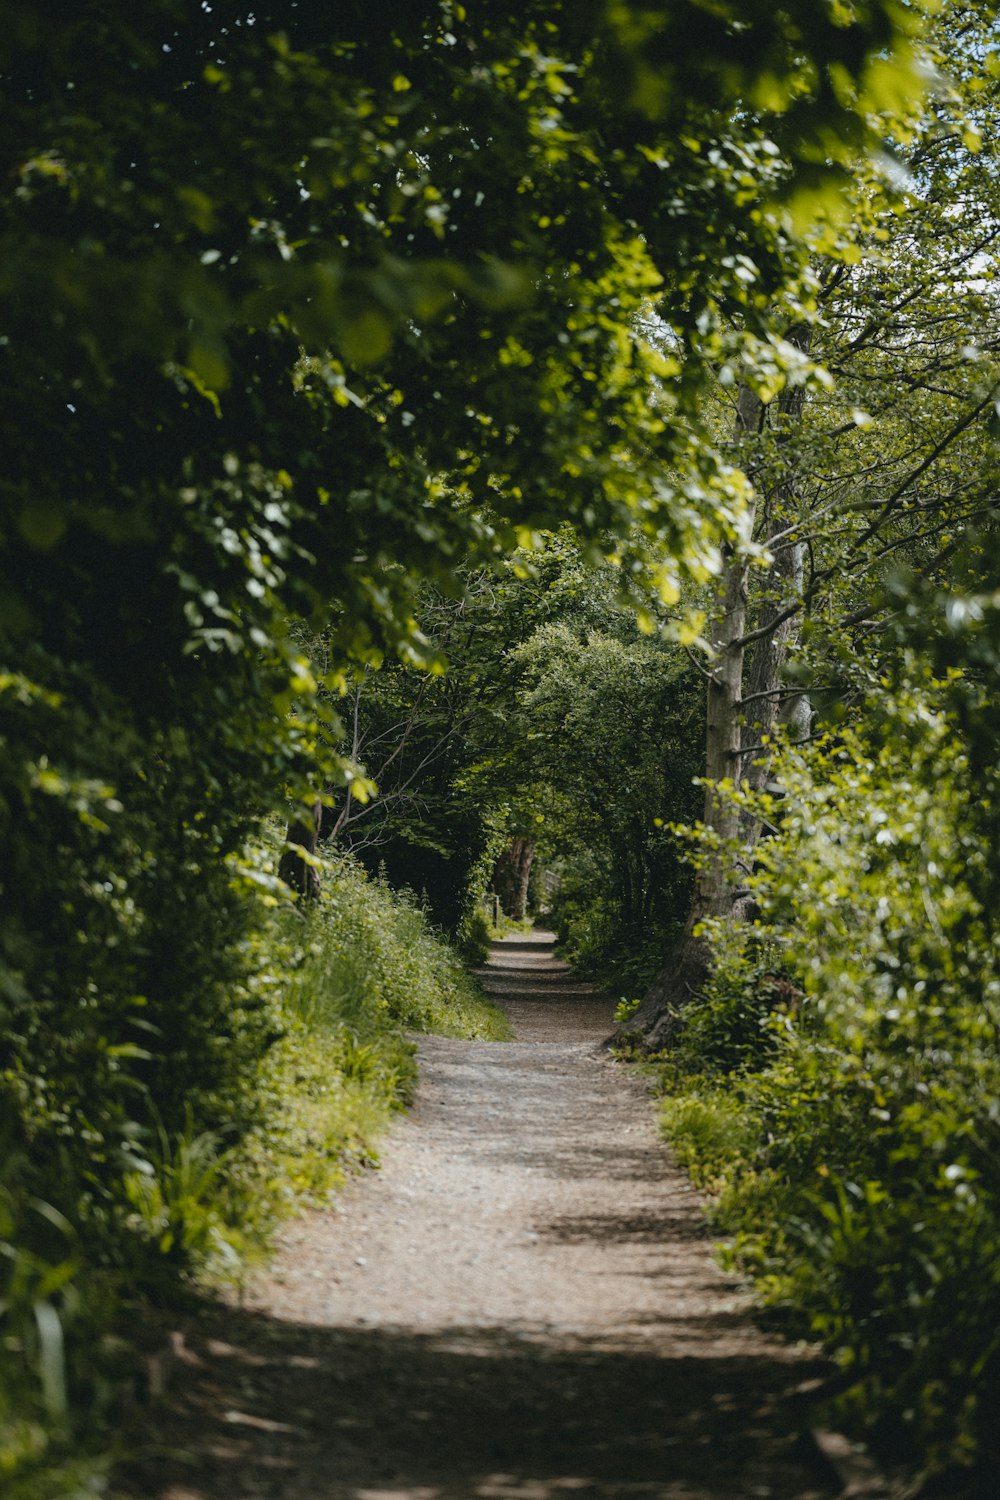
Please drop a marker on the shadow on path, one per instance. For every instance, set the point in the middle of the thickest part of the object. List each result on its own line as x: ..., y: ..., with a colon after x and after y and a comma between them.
x: 303, y: 1413
x: 544, y: 1000
x: 522, y: 1305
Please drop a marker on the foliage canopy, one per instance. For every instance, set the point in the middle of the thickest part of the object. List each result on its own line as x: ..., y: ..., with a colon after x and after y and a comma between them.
x: 302, y: 308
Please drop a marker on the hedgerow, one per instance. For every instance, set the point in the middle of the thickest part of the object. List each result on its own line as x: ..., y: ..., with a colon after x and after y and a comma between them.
x: 840, y: 1093
x: 90, y: 1233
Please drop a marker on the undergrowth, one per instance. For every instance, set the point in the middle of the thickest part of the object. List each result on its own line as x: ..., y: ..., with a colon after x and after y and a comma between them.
x: 332, y: 990
x: 835, y: 1086
x: 357, y: 972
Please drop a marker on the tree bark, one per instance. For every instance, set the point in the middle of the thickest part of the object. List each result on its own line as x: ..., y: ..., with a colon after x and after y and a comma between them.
x: 768, y: 707
x: 687, y: 966
x: 785, y: 582
x: 301, y: 835
x: 767, y: 664
x: 734, y: 751
x: 511, y: 876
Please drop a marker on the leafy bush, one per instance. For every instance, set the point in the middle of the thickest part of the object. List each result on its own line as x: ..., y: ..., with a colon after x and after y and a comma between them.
x: 475, y: 935
x: 744, y: 1007
x: 593, y: 935
x: 857, y: 1149
x: 332, y: 991
x: 710, y: 1130
x: 59, y: 1365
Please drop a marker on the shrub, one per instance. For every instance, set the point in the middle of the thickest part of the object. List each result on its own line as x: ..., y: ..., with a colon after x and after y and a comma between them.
x: 737, y: 1021
x: 327, y: 996
x: 710, y: 1132
x: 475, y: 934
x: 856, y: 1144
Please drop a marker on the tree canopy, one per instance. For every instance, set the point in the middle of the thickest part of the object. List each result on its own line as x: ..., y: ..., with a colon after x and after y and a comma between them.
x: 300, y: 312
x: 317, y: 324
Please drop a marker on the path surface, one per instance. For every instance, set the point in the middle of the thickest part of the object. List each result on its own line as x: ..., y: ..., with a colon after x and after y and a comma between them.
x: 521, y: 1304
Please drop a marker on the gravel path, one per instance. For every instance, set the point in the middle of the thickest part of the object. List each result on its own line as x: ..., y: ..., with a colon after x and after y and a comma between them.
x: 521, y: 1304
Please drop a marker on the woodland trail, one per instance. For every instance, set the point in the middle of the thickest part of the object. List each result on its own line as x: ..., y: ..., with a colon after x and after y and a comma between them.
x: 522, y: 1305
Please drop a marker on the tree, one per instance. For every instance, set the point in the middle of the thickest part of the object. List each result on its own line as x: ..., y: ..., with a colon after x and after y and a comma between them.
x: 887, y: 465
x: 300, y: 312
x: 512, y: 874
x: 545, y: 735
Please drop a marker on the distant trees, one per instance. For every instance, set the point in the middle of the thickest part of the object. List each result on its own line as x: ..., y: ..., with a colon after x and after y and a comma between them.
x: 560, y: 735
x: 512, y: 874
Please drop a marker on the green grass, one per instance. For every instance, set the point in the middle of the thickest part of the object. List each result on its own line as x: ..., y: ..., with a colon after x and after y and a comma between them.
x: 360, y: 973
x: 709, y: 1132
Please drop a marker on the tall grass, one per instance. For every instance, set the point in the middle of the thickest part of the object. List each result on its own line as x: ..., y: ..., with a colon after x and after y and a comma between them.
x: 335, y: 991
x: 359, y: 972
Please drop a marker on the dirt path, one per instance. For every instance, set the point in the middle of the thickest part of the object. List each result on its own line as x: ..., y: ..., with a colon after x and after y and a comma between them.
x: 521, y: 1304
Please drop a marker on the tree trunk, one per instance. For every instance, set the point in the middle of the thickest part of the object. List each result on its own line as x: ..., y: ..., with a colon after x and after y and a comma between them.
x: 686, y: 969
x: 511, y: 876
x: 734, y: 753
x: 764, y: 677
x: 785, y: 580
x: 302, y: 835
